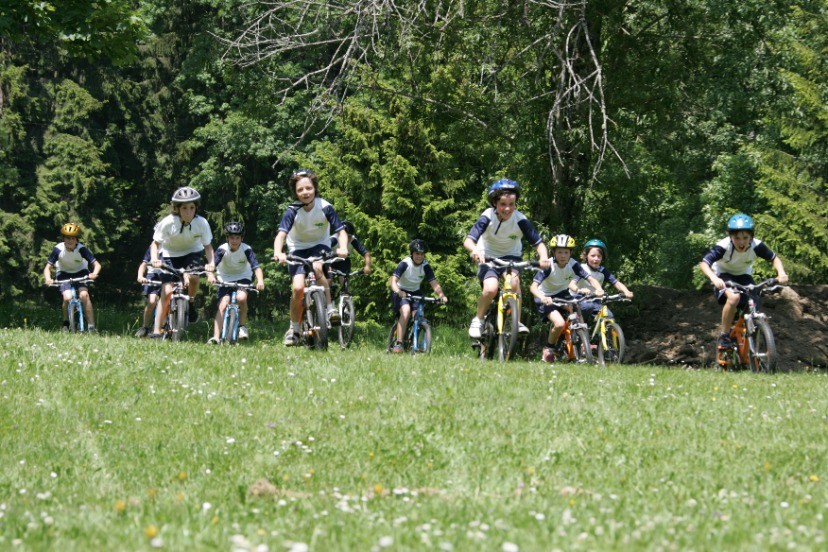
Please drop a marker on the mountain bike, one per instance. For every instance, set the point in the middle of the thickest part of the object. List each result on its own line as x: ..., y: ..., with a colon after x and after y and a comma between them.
x: 315, y: 320
x: 606, y: 333
x: 77, y: 319
x: 574, y: 339
x: 230, y: 324
x: 344, y: 301
x: 178, y: 302
x: 418, y: 338
x: 751, y: 335
x: 502, y: 321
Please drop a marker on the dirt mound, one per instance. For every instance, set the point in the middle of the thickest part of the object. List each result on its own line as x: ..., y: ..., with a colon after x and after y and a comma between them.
x: 667, y: 326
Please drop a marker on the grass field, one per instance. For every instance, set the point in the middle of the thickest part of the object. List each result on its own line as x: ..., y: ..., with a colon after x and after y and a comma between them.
x: 114, y: 443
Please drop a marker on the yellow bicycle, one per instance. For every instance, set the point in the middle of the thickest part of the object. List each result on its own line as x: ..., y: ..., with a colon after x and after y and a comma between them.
x: 607, y: 333
x: 502, y: 322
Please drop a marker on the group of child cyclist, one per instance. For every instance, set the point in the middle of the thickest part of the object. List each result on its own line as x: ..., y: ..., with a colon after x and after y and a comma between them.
x: 310, y: 228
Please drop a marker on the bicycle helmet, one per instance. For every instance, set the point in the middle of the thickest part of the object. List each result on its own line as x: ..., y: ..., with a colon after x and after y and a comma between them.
x: 564, y: 241
x: 418, y: 246
x: 70, y: 229
x: 739, y: 222
x: 349, y: 227
x: 502, y: 186
x: 185, y: 194
x: 234, y: 229
x: 596, y: 243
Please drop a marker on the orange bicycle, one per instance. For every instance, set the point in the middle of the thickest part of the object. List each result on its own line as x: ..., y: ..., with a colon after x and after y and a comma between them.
x: 751, y: 335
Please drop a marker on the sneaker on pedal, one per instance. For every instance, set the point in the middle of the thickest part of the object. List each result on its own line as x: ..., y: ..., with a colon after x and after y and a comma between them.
x: 724, y: 342
x: 333, y: 317
x: 243, y: 332
x: 548, y: 355
x: 474, y: 328
x: 397, y: 348
x: 291, y: 338
x: 143, y: 331
x: 522, y: 329
x: 213, y: 341
x: 156, y: 336
x: 91, y: 329
x: 65, y: 327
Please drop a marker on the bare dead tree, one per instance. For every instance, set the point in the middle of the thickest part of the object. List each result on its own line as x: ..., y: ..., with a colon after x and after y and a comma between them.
x: 344, y: 36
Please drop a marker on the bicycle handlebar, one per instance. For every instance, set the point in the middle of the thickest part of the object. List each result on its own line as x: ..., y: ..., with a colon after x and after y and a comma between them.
x: 424, y: 299
x: 79, y: 280
x: 560, y: 301
x: 198, y: 270
x: 605, y: 298
x: 497, y: 261
x: 765, y: 286
x: 236, y: 285
x: 327, y: 258
x: 348, y: 274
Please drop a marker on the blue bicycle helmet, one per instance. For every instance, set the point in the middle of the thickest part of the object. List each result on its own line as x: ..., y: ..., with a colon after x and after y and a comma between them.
x: 739, y: 222
x: 596, y: 243
x: 502, y: 186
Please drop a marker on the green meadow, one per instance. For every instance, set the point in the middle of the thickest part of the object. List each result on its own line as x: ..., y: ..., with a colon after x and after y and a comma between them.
x: 113, y: 443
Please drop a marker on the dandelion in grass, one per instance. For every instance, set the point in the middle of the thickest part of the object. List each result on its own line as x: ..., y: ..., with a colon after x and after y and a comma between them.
x: 814, y: 478
x: 120, y: 506
x: 151, y: 531
x: 182, y: 475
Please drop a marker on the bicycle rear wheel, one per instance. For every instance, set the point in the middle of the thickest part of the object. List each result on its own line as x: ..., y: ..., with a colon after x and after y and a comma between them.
x: 232, y: 330
x: 508, y: 337
x: 613, y: 353
x: 346, y: 327
x: 580, y: 346
x: 762, y: 348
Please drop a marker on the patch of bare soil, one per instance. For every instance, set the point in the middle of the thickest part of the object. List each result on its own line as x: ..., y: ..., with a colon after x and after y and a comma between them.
x: 680, y: 327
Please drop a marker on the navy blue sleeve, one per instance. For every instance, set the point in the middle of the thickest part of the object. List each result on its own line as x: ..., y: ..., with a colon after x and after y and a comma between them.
x: 764, y: 252
x: 251, y: 258
x: 333, y: 219
x: 358, y: 246
x: 478, y: 228
x: 86, y: 254
x: 529, y: 232
x: 218, y: 256
x: 714, y: 255
x: 147, y: 256
x: 609, y: 277
x: 287, y: 220
x: 428, y: 272
x: 542, y: 275
x: 579, y: 271
x: 401, y: 268
x: 53, y: 256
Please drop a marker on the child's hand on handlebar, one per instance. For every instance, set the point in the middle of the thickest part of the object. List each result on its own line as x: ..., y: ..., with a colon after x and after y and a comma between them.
x: 280, y: 257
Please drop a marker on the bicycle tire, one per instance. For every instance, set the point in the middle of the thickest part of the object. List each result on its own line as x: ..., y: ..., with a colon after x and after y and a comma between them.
x: 762, y: 348
x: 580, y: 346
x: 179, y: 319
x: 423, y: 344
x: 74, y: 314
x: 508, y: 336
x: 318, y: 321
x: 346, y: 326
x: 616, y: 345
x: 488, y: 334
x: 233, y: 327
x: 392, y: 338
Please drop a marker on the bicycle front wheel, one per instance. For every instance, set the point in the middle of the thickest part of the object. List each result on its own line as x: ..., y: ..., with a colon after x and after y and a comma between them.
x: 611, y: 352
x: 762, y: 348
x: 317, y: 321
x: 488, y: 336
x: 346, y: 327
x: 178, y: 318
x: 580, y: 346
x: 75, y: 317
x: 423, y: 344
x: 509, y: 334
x: 231, y: 331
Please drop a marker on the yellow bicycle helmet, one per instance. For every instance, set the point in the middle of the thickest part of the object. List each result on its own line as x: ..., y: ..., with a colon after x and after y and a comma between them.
x: 70, y: 229
x: 564, y: 241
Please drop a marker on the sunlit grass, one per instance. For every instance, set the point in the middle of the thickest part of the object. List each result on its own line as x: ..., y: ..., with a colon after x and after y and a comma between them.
x: 114, y: 443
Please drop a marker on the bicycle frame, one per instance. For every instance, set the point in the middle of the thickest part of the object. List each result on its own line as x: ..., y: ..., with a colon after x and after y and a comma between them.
x: 316, y: 328
x: 574, y: 323
x: 418, y: 334
x: 177, y: 323
x: 600, y: 328
x: 230, y: 332
x: 747, y: 326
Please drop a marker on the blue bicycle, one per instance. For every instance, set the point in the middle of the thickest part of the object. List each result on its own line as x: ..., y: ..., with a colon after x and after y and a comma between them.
x: 418, y: 336
x: 77, y: 319
x: 230, y: 325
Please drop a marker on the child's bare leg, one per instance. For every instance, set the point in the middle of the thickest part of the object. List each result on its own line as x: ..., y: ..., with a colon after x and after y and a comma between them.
x: 402, y: 323
x: 296, y: 298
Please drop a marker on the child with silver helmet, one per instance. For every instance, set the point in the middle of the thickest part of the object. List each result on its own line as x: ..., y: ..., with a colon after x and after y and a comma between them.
x: 406, y: 280
x: 181, y: 239
x: 731, y: 259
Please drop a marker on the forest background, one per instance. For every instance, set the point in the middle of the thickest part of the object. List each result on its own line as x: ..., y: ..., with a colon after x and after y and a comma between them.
x: 645, y: 124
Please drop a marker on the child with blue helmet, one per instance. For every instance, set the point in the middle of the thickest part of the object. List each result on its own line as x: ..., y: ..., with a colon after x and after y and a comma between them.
x: 592, y: 258
x: 731, y: 259
x: 497, y: 233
